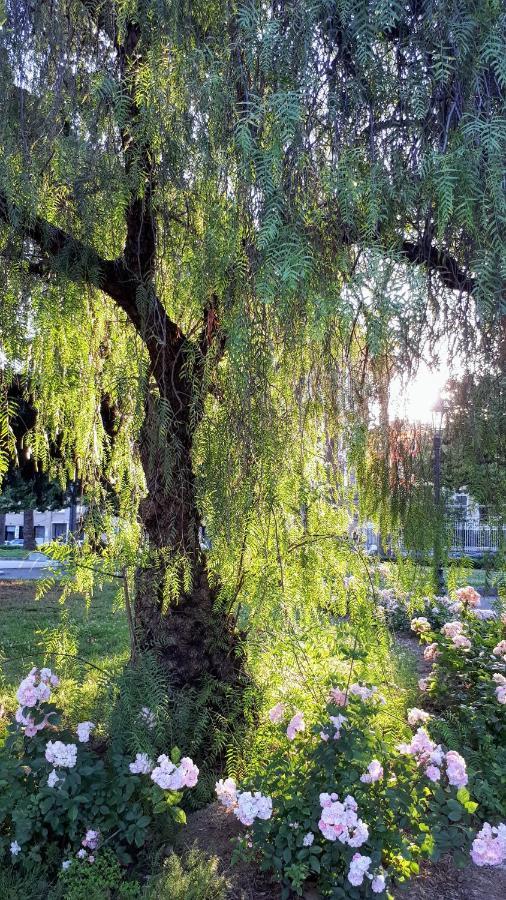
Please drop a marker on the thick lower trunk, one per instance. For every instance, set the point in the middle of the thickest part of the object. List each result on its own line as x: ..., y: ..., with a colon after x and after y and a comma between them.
x: 176, y: 614
x: 28, y: 530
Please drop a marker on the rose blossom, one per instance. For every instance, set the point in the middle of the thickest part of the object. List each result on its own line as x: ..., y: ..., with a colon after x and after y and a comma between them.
x: 338, y: 696
x: 142, y: 765
x: 378, y: 884
x: 358, y: 868
x: 59, y: 754
x: 420, y: 624
x: 461, y: 641
x: 339, y: 821
x: 489, y: 846
x: 423, y: 684
x: 338, y: 722
x: 417, y: 715
x: 83, y: 731
x: 226, y: 792
x: 500, y: 649
x: 468, y: 596
x: 451, y: 629
x: 171, y: 778
x: 276, y: 713
x: 456, y: 769
x: 252, y: 806
x: 91, y: 839
x: 431, y: 652
x: 295, y: 725
x: 52, y: 779
x: 308, y: 839
x: 433, y: 773
x: 374, y: 772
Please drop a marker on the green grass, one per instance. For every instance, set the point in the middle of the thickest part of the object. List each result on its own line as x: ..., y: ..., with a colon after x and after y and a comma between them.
x: 87, y: 645
x: 13, y: 553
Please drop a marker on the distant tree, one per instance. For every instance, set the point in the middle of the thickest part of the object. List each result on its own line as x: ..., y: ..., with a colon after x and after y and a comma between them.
x: 475, y: 438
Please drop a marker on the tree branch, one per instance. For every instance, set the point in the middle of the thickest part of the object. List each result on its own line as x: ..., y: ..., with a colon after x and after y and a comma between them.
x: 440, y: 262
x: 66, y: 255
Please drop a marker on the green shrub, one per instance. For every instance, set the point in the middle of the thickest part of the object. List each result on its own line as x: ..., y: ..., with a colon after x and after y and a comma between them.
x: 194, y: 877
x: 101, y: 880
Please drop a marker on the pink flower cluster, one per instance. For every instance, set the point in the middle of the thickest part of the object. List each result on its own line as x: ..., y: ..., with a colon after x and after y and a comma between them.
x: 339, y: 821
x: 61, y: 755
x: 500, y: 690
x: 417, y: 715
x: 91, y: 839
x: 374, y: 772
x: 246, y: 806
x: 338, y: 697
x: 295, y: 725
x: 34, y: 690
x: 363, y: 692
x: 500, y: 650
x: 431, y: 757
x: 170, y: 777
x: 453, y: 630
x: 468, y: 596
x: 489, y: 846
x: 226, y: 792
x: 276, y: 714
x: 420, y: 624
x: 83, y: 731
x: 142, y: 765
x: 431, y: 652
x: 359, y: 868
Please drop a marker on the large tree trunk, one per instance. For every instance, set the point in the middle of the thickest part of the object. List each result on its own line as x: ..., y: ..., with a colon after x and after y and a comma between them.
x: 191, y: 636
x: 28, y: 530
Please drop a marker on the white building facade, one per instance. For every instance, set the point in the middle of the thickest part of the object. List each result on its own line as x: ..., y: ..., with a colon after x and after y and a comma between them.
x: 52, y: 525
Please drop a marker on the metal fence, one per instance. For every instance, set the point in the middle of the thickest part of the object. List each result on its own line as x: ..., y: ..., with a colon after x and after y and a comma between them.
x: 468, y: 538
x: 463, y: 539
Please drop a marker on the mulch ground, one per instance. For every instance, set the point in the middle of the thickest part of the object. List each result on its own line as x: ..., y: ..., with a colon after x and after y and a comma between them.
x: 212, y: 829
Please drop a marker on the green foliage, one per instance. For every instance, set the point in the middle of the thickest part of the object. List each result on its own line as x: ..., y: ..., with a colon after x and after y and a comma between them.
x: 103, y: 879
x: 191, y: 877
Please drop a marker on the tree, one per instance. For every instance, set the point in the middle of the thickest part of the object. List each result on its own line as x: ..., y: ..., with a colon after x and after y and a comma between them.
x: 475, y: 441
x: 26, y: 487
x: 199, y: 198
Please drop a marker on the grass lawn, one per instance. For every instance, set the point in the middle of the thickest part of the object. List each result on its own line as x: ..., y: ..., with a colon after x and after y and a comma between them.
x: 87, y: 646
x: 13, y: 553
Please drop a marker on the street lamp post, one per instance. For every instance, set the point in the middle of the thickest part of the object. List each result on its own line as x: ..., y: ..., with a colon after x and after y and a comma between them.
x: 439, y: 581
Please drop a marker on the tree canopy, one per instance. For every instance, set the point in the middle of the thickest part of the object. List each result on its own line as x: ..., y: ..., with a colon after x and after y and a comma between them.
x: 224, y: 226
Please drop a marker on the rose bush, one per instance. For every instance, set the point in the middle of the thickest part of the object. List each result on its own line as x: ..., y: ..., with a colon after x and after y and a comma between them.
x: 62, y: 799
x: 338, y: 804
x: 466, y: 692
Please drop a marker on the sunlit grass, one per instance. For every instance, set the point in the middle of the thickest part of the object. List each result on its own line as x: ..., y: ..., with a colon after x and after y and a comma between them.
x: 87, y: 645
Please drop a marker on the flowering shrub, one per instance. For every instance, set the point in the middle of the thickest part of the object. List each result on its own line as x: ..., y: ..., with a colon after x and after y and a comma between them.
x: 466, y: 691
x: 339, y: 806
x: 62, y: 799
